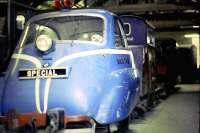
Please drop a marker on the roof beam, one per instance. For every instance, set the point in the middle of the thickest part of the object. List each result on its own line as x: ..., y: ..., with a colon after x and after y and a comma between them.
x: 162, y: 16
x: 178, y: 29
x: 171, y: 16
x: 141, y: 8
x: 98, y: 3
x: 171, y: 23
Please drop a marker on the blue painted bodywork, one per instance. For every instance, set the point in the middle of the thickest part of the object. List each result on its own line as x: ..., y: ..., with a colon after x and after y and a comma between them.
x: 140, y: 36
x: 137, y: 37
x: 2, y: 83
x: 98, y: 86
x: 138, y: 30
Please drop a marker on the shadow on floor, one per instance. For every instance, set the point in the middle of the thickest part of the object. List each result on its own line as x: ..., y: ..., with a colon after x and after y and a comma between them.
x: 131, y: 131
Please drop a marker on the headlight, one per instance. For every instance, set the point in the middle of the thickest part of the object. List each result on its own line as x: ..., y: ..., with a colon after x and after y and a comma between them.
x: 43, y: 43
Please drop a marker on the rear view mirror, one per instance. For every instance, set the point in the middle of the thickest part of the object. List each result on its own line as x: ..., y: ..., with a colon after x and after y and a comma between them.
x: 127, y: 29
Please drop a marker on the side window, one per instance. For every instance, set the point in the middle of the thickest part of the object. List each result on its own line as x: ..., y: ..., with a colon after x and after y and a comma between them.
x: 119, y: 42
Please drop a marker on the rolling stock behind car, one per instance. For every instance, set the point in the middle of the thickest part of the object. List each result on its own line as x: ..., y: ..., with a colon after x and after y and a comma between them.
x: 76, y: 63
x: 140, y: 36
x: 168, y: 63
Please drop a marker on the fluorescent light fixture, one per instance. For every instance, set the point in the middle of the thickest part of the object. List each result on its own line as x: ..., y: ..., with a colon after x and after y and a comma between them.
x: 190, y: 26
x: 189, y: 11
x: 195, y: 41
x: 195, y: 26
x: 191, y: 35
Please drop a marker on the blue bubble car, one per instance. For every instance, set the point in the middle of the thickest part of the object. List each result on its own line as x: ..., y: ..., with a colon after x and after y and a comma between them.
x: 76, y: 61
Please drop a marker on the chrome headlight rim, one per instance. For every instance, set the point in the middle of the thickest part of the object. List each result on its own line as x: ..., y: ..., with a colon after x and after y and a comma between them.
x: 44, y: 43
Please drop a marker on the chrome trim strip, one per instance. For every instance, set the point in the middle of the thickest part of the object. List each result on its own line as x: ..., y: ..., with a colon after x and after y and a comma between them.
x: 38, y: 64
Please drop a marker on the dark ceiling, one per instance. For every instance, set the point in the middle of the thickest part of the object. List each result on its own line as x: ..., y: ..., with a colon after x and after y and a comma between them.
x: 165, y: 15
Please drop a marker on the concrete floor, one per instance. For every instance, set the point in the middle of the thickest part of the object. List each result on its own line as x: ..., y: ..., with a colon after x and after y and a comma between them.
x: 177, y: 114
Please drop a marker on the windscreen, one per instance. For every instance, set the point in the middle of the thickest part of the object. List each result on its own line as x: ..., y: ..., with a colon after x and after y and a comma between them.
x: 77, y: 28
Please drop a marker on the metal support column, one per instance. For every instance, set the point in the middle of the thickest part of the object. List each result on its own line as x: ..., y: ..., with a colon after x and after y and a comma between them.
x: 85, y: 3
x: 9, y: 29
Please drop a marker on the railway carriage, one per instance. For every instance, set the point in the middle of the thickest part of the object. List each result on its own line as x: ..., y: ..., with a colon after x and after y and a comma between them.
x: 141, y: 39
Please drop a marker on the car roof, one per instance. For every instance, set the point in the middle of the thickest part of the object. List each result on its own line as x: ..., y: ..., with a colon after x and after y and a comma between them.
x: 66, y: 12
